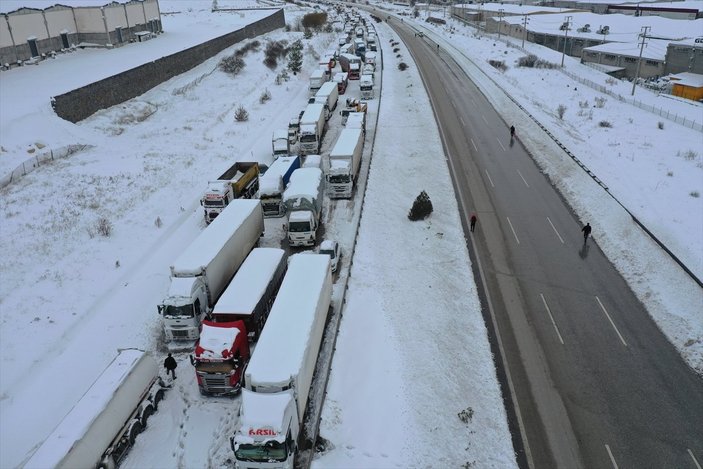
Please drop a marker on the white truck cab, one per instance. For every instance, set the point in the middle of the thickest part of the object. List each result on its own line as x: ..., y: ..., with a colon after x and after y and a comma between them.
x: 184, y: 308
x: 267, y: 425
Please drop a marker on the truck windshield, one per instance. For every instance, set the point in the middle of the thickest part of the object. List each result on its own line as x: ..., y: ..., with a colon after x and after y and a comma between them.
x: 213, y: 203
x: 298, y: 227
x: 344, y: 178
x: 308, y: 138
x: 271, y: 451
x: 179, y: 311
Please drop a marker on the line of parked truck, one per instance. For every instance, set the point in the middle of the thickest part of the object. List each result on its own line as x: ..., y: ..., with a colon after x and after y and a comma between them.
x: 225, y: 293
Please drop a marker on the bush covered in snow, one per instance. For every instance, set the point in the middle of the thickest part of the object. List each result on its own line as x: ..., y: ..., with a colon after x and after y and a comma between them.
x: 232, y: 64
x: 498, y: 64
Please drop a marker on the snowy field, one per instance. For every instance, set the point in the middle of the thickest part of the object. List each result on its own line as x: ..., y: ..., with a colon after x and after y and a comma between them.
x: 70, y: 298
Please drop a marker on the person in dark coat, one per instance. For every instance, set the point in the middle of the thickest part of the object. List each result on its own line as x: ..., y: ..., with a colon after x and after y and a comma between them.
x: 586, y: 231
x: 170, y: 365
x: 473, y: 222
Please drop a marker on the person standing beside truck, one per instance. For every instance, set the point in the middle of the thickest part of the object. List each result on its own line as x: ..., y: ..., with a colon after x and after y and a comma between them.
x: 170, y: 365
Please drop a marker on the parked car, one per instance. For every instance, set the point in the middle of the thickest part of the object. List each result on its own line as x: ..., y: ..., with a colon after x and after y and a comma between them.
x: 331, y: 248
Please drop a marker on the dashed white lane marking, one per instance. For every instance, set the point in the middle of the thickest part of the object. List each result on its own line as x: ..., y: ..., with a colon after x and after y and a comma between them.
x: 611, y: 321
x: 555, y: 230
x: 552, y: 318
x: 513, y: 230
x: 612, y: 459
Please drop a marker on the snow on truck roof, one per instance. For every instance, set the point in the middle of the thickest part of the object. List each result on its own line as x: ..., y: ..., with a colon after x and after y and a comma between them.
x: 303, y: 182
x: 281, y: 348
x: 250, y: 282
x: 180, y: 287
x: 346, y: 143
x: 215, y: 340
x: 355, y: 119
x: 298, y: 216
x: 270, y: 185
x: 74, y: 425
x: 313, y: 161
x: 337, y: 165
x: 278, y: 168
x: 312, y: 113
x: 210, y: 241
x: 280, y: 134
x: 326, y: 88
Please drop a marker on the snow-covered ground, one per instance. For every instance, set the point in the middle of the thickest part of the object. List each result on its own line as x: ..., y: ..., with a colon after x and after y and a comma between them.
x: 70, y: 298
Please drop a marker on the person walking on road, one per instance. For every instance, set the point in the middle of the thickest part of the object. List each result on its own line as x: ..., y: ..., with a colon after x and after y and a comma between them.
x: 512, y: 132
x: 473, y: 222
x: 170, y: 365
x: 586, y: 231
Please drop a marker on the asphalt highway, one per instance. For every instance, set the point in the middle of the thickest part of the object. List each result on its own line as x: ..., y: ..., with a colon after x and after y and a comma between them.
x: 592, y: 381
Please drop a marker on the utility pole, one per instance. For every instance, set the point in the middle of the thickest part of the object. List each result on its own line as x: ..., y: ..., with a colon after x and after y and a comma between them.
x: 643, y: 35
x: 500, y: 20
x: 566, y: 24
x: 478, y: 20
x: 524, y: 27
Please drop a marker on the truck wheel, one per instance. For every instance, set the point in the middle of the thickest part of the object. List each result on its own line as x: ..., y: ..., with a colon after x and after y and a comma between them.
x: 134, y: 430
x: 108, y: 462
x: 148, y: 411
x: 157, y: 398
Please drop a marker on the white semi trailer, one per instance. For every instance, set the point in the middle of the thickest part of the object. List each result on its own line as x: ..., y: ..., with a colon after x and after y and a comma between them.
x: 303, y: 201
x: 312, y: 128
x: 279, y: 375
x: 327, y: 95
x: 344, y: 162
x: 104, y: 423
x: 201, y: 273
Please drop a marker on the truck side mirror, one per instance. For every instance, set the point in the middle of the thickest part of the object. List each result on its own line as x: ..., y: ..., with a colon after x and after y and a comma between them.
x: 192, y: 360
x: 285, y: 227
x: 160, y: 309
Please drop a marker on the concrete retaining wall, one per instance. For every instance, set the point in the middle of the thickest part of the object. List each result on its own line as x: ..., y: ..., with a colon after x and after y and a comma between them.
x: 80, y: 103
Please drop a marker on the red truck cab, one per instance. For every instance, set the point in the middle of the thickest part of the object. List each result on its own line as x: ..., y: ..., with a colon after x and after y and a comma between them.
x: 221, y: 356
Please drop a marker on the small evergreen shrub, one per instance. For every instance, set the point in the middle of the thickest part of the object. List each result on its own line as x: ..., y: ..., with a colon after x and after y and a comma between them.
x: 265, y: 96
x: 241, y: 114
x: 232, y: 65
x: 422, y: 207
x: 498, y: 64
